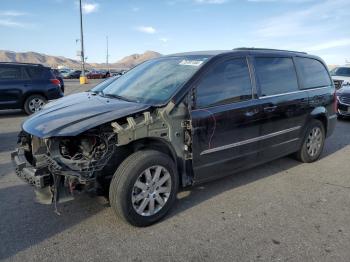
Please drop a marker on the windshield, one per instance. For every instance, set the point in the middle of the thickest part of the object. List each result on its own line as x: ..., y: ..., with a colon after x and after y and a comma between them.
x: 341, y: 71
x: 98, y: 88
x: 155, y: 81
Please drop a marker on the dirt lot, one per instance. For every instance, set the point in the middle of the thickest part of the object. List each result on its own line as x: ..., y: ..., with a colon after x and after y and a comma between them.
x: 281, y: 211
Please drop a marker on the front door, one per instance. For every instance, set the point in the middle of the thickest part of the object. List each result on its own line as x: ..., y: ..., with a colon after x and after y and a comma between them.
x: 225, y: 120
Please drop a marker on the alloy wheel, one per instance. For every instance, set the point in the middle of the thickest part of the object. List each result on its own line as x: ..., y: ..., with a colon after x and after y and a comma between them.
x: 151, y: 190
x: 314, y: 141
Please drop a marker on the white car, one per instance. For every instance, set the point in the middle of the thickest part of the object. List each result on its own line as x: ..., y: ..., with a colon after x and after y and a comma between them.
x: 341, y: 76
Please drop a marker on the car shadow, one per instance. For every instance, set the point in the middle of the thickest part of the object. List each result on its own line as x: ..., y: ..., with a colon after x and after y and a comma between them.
x: 12, y: 113
x: 8, y: 141
x: 192, y: 196
x: 25, y: 223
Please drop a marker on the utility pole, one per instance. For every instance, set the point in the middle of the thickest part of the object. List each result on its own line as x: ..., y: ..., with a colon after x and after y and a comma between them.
x: 107, y: 55
x: 82, y: 79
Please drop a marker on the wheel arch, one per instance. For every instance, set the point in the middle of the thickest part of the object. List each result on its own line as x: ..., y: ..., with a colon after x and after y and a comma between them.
x: 320, y: 113
x: 153, y: 143
x: 30, y: 93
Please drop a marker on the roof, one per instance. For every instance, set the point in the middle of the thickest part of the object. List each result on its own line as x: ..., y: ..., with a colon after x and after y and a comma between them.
x: 202, y: 53
x: 235, y: 50
x: 18, y: 63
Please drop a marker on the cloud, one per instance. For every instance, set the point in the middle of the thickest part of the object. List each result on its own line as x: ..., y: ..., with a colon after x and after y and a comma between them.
x: 164, y: 39
x: 330, y: 44
x: 11, y: 23
x: 314, y: 20
x: 11, y: 13
x: 89, y: 8
x: 8, y: 19
x: 146, y: 29
x: 211, y: 1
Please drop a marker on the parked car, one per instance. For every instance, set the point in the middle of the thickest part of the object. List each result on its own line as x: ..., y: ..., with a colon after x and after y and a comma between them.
x: 27, y: 86
x: 64, y: 72
x: 74, y: 74
x: 115, y: 73
x: 177, y: 121
x: 58, y: 76
x: 343, y: 99
x: 341, y: 76
x: 96, y: 74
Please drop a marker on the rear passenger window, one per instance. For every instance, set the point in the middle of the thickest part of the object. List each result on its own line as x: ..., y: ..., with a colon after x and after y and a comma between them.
x: 10, y: 73
x: 276, y: 75
x: 35, y: 72
x: 313, y: 73
x: 226, y: 82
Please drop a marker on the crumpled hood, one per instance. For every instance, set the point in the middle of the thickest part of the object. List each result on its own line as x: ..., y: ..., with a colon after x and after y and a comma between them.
x: 74, y: 114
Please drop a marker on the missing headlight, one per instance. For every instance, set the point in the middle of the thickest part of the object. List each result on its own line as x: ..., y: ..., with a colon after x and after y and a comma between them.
x: 86, y: 153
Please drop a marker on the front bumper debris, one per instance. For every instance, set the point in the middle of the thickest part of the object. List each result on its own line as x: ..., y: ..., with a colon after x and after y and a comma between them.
x: 33, y: 176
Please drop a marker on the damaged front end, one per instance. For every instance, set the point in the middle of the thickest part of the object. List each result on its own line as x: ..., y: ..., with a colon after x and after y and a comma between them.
x: 59, y: 166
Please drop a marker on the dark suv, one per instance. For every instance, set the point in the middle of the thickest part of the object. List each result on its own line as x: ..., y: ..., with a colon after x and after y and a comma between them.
x: 27, y: 86
x: 177, y: 121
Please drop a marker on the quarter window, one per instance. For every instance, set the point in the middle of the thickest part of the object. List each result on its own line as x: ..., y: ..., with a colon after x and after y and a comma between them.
x: 226, y: 82
x: 313, y: 73
x: 276, y: 75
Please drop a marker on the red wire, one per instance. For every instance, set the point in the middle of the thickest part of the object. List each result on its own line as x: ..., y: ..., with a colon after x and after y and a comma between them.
x: 213, y: 116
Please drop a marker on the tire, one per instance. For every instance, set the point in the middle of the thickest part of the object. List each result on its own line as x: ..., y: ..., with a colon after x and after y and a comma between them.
x: 306, y: 154
x: 38, y: 100
x: 123, y: 190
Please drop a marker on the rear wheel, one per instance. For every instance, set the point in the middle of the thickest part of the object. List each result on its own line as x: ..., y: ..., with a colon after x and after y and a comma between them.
x: 313, y: 143
x: 144, y: 187
x: 34, y: 103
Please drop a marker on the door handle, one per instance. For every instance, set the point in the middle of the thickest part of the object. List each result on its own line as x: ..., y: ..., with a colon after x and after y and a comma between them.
x: 251, y: 112
x: 269, y: 109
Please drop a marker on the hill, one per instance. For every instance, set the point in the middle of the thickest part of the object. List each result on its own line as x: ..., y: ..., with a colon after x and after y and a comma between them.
x: 55, y: 61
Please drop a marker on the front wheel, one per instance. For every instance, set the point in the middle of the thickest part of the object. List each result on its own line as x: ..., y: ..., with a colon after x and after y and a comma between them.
x: 144, y: 187
x: 313, y: 142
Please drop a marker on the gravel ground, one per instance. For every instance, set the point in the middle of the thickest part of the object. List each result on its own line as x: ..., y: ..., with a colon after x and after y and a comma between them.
x: 281, y: 211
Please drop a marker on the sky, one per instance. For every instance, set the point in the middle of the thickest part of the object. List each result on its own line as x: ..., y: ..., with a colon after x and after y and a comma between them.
x: 320, y: 27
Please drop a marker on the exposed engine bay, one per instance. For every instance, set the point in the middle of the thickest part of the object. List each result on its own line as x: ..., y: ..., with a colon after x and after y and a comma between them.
x: 61, y: 166
x: 84, y: 154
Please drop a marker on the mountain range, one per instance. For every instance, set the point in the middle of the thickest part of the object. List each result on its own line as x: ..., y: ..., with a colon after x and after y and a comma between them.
x: 55, y: 61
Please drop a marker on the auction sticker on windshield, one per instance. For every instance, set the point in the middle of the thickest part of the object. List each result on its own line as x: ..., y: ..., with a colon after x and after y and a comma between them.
x: 191, y: 62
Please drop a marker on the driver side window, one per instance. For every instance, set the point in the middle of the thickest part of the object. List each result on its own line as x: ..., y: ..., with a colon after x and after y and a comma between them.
x: 226, y: 82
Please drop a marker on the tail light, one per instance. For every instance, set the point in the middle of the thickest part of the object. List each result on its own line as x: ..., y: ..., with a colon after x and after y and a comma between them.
x: 55, y: 82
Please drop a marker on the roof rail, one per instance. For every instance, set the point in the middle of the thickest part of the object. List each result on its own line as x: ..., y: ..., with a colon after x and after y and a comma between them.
x: 20, y: 63
x: 266, y: 49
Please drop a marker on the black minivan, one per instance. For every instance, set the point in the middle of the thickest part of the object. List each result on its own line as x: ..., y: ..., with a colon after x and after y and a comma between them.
x: 176, y: 121
x: 27, y: 86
